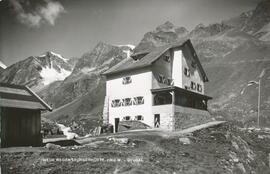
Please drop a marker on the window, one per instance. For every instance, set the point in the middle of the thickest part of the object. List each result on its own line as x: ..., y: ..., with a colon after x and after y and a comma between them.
x: 127, y: 102
x: 167, y: 59
x: 187, y: 87
x: 161, y: 78
x: 170, y: 81
x: 193, y: 85
x: 116, y: 103
x: 126, y: 118
x: 138, y: 117
x: 138, y: 100
x: 199, y: 87
x: 186, y: 72
x: 126, y: 80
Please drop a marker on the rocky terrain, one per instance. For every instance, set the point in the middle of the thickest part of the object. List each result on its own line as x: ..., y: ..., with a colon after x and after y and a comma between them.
x: 220, y: 149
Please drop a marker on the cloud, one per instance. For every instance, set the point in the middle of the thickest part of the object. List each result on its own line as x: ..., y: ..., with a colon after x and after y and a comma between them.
x: 29, y: 19
x: 33, y: 13
x: 51, y: 12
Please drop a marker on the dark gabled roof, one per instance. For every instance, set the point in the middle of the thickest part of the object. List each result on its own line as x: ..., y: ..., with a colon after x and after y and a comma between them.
x: 131, y: 64
x: 17, y: 96
x: 150, y: 57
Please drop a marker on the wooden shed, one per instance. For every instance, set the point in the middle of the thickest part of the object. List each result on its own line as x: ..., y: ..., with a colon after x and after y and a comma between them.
x: 20, y: 116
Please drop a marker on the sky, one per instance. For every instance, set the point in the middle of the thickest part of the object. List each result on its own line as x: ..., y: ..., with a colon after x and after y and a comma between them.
x: 73, y: 27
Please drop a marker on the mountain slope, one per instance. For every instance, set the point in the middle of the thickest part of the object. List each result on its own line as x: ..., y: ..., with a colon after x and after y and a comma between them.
x: 37, y: 71
x: 255, y: 22
x: 81, y: 95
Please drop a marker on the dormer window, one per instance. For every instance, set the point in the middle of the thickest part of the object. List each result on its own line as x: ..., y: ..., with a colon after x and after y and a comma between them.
x: 193, y: 85
x: 126, y: 80
x: 186, y: 72
x: 167, y: 59
x: 199, y: 87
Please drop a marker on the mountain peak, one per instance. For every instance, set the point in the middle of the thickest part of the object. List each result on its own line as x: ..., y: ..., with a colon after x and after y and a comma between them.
x: 199, y: 26
x: 259, y: 18
x: 166, y: 26
x: 53, y: 54
x: 102, y: 44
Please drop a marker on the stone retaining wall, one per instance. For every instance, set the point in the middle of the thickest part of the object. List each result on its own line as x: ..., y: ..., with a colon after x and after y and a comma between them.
x: 187, y: 117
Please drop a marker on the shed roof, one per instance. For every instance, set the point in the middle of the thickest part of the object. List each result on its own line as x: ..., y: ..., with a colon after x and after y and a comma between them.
x: 150, y: 57
x: 17, y: 96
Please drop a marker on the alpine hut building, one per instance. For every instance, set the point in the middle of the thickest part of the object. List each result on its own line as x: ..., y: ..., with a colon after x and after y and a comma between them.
x: 163, y: 88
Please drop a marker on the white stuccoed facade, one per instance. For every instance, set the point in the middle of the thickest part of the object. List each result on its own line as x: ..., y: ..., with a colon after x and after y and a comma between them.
x: 140, y: 86
x: 146, y: 79
x: 177, y: 68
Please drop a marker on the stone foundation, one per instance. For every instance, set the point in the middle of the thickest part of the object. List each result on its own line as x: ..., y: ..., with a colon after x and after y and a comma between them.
x: 188, y: 117
x: 167, y: 121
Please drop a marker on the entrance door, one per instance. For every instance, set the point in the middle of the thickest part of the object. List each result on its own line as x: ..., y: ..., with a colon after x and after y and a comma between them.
x: 116, y: 123
x: 156, y: 120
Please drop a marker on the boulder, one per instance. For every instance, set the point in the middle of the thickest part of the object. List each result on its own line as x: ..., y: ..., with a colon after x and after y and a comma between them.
x: 51, y: 146
x: 184, y: 140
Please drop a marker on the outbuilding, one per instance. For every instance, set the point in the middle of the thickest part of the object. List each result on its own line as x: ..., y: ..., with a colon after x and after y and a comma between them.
x: 20, y: 116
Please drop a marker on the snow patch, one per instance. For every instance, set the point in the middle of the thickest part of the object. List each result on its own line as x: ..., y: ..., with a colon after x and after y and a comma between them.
x: 55, y: 54
x: 58, y: 55
x: 109, y: 61
x: 128, y: 52
x: 87, y: 70
x: 128, y: 45
x: 50, y: 75
x: 2, y: 65
x: 67, y: 132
